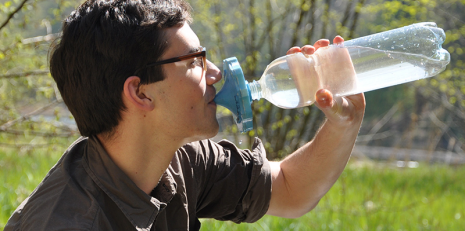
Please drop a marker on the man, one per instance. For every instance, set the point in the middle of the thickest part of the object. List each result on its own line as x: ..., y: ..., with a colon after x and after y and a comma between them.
x: 135, y: 77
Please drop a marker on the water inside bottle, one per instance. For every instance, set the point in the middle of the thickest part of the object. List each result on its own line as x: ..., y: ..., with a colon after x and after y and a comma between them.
x: 383, y: 68
x: 374, y: 69
x: 287, y: 99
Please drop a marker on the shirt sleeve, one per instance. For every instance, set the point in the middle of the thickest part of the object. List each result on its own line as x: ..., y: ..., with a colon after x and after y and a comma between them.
x: 232, y: 184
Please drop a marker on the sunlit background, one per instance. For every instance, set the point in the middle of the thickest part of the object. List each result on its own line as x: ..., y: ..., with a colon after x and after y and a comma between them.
x: 407, y: 169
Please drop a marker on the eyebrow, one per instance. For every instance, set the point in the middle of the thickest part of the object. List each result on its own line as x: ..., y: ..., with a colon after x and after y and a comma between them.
x: 188, y: 51
x: 194, y: 49
x: 191, y: 50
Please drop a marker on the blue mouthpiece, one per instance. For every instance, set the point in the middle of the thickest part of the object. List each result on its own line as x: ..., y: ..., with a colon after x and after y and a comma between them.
x: 235, y: 94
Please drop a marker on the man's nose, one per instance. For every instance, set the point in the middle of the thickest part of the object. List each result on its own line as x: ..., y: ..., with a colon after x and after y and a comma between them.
x: 213, y: 74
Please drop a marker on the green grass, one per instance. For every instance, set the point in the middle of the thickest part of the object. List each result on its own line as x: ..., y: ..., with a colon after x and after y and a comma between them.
x: 21, y: 170
x: 368, y: 196
x: 379, y: 197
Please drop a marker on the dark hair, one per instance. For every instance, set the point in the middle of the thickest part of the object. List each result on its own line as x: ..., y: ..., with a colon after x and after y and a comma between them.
x: 103, y: 43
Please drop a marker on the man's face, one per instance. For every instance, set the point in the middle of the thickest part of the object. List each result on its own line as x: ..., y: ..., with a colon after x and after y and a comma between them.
x: 184, y: 99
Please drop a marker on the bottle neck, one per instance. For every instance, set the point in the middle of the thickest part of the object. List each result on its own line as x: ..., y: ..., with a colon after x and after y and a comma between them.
x: 255, y: 90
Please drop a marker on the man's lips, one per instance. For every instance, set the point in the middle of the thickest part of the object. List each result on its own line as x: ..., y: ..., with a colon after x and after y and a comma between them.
x: 212, y: 102
x: 213, y: 94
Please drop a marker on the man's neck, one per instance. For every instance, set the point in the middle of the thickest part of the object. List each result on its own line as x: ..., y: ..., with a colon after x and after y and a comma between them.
x: 144, y: 158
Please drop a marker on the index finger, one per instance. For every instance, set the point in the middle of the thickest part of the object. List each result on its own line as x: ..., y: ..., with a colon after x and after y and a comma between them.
x: 338, y: 39
x: 321, y: 43
x: 293, y: 50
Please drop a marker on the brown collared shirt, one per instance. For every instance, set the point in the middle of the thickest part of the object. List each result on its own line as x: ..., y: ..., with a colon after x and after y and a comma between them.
x: 85, y: 190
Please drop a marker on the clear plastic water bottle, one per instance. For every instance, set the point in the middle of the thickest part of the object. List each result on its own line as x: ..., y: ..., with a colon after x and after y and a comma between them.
x: 359, y: 65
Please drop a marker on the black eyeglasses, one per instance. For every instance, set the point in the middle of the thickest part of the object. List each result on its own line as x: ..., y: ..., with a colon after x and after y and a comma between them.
x: 201, y: 54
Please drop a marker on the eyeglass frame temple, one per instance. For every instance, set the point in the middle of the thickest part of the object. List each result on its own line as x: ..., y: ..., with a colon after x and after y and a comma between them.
x: 202, y: 53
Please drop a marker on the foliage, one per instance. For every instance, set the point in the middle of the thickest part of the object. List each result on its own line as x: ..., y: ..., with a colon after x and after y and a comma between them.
x: 434, y: 118
x: 30, y: 104
x: 256, y: 32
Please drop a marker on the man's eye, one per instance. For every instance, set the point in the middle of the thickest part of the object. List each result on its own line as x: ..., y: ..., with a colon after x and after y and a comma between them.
x: 197, y: 62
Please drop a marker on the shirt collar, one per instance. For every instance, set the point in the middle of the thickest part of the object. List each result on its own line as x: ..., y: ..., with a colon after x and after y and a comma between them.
x: 140, y: 208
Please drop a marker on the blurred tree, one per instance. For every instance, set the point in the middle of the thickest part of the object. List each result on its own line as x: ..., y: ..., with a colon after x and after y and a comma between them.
x: 256, y: 32
x: 27, y: 90
x: 434, y: 118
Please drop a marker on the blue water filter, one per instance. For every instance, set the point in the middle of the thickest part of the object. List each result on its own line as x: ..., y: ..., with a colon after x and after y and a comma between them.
x: 235, y: 95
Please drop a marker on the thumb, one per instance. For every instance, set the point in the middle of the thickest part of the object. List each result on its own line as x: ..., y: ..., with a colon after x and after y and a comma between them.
x: 324, y: 99
x: 332, y: 107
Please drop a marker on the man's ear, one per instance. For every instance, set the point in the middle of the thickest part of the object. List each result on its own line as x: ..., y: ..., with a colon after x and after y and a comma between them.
x: 135, y: 94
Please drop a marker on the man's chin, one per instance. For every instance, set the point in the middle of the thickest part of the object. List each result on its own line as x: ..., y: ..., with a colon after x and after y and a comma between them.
x: 214, y: 130
x: 207, y: 133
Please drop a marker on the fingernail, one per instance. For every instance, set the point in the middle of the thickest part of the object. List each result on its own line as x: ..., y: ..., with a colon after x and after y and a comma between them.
x: 323, y: 99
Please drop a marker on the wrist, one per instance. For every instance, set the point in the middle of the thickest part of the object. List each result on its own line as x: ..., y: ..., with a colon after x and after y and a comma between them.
x: 343, y: 125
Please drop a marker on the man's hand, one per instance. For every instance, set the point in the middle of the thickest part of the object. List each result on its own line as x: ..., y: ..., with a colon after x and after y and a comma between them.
x: 305, y: 176
x: 342, y: 111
